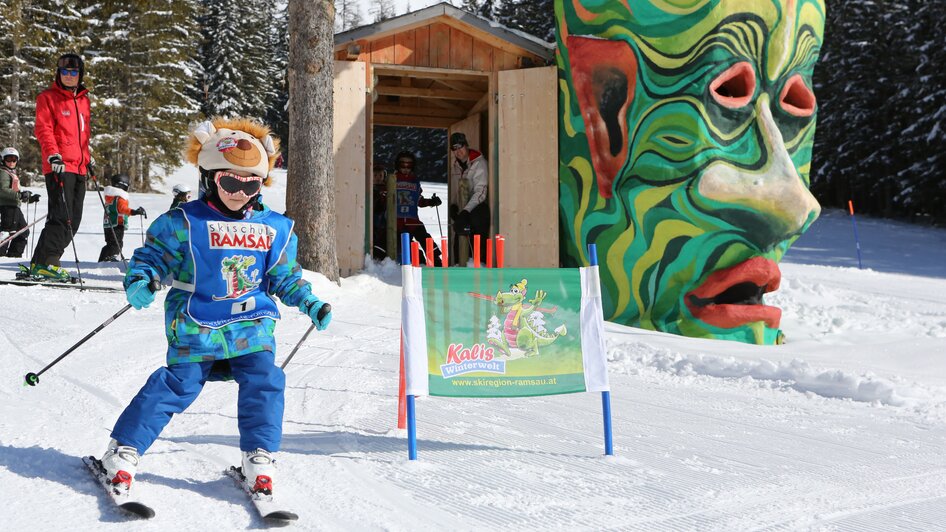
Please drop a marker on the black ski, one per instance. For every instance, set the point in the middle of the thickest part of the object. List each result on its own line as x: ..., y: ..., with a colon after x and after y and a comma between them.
x: 61, y: 284
x: 122, y: 498
x: 266, y: 505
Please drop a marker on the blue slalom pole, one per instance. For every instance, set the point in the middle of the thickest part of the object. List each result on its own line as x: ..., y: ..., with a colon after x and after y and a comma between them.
x: 857, y: 241
x: 411, y: 419
x: 605, y: 396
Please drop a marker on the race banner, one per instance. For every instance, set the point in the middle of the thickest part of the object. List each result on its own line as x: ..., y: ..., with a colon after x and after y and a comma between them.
x: 507, y: 332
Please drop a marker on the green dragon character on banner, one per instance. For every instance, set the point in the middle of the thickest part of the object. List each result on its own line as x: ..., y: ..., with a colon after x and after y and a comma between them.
x: 685, y: 148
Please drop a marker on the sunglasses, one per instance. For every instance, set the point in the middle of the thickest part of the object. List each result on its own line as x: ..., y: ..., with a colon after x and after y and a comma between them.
x: 11, y: 159
x: 234, y: 184
x: 69, y: 71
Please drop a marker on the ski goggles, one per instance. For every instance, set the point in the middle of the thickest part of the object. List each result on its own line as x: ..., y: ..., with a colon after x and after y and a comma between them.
x: 11, y: 159
x: 69, y: 71
x: 234, y: 184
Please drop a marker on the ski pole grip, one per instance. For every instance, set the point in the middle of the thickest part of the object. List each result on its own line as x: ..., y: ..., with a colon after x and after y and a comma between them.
x: 154, y: 286
x: 326, y: 308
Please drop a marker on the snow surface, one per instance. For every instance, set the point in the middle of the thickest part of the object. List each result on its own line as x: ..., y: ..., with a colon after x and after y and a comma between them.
x: 842, y: 428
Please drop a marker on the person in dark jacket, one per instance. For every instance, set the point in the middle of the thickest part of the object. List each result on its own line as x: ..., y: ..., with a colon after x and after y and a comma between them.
x: 11, y: 217
x: 409, y: 197
x: 62, y: 129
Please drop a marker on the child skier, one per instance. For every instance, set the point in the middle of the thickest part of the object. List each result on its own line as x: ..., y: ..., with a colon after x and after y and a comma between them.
x: 182, y: 194
x: 228, y: 254
x: 11, y: 217
x: 115, y: 221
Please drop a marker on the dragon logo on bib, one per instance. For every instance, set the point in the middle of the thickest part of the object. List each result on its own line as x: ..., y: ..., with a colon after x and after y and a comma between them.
x: 234, y: 272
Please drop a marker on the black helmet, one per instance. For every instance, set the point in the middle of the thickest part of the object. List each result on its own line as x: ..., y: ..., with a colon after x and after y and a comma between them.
x: 405, y: 156
x: 120, y: 181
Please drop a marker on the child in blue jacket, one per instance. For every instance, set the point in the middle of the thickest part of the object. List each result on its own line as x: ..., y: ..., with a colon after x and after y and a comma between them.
x: 228, y: 255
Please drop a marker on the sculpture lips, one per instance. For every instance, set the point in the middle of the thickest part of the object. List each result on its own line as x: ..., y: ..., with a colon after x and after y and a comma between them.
x: 732, y: 297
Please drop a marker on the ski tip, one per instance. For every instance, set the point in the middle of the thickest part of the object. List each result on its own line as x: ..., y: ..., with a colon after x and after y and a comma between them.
x: 138, y: 509
x: 281, y: 515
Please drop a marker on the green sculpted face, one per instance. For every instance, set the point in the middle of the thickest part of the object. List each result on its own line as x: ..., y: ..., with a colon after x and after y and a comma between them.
x: 685, y: 149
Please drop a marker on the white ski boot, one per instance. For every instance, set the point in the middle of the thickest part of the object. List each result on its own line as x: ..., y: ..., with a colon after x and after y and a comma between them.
x: 259, y: 470
x: 120, y: 463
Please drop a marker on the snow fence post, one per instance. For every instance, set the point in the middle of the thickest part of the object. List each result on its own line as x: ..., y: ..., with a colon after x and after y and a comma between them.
x: 411, y: 421
x: 605, y: 396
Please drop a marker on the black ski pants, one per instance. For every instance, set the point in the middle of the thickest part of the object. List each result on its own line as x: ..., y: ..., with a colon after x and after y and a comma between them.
x: 65, y: 193
x: 12, y: 220
x: 114, y: 240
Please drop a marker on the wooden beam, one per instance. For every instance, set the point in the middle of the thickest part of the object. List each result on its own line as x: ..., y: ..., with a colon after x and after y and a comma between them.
x: 428, y: 93
x: 412, y: 121
x: 430, y: 73
x: 418, y: 111
x: 479, y: 106
x: 460, y: 85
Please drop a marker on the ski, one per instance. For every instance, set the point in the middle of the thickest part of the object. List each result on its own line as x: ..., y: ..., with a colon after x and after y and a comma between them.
x: 266, y: 505
x: 123, y: 499
x: 60, y: 284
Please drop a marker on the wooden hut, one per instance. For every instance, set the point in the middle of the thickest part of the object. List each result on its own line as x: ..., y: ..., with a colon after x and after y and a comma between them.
x: 441, y: 67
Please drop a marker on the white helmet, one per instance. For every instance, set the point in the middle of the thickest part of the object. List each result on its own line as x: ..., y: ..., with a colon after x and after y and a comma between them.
x: 9, y: 151
x: 181, y: 189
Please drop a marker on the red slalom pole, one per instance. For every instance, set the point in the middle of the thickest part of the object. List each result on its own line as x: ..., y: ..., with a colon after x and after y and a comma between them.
x: 443, y: 253
x: 476, y: 251
x: 415, y: 254
x: 430, y: 252
x: 489, y: 252
x: 500, y: 250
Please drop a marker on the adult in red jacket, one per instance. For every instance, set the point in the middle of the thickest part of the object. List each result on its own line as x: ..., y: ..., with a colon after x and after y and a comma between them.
x: 62, y: 128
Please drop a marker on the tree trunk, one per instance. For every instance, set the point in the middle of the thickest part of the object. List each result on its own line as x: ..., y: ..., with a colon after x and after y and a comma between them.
x: 310, y: 191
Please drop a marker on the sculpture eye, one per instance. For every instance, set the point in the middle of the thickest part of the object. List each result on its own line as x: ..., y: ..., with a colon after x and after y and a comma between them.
x: 734, y: 87
x: 796, y: 98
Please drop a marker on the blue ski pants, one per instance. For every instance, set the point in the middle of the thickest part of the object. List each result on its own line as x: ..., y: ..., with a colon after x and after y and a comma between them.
x: 170, y: 390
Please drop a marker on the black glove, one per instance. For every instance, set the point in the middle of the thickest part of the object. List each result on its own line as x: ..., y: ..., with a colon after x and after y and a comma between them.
x: 90, y: 168
x: 452, y: 211
x: 434, y: 201
x: 140, y: 211
x: 462, y: 223
x: 55, y: 162
x: 34, y: 198
x: 25, y: 196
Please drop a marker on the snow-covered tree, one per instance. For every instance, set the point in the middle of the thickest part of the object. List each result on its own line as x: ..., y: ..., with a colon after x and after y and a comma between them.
x: 347, y: 15
x: 382, y: 10
x: 235, y: 57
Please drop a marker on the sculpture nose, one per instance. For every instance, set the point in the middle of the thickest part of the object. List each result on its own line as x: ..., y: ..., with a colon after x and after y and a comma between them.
x: 770, y: 202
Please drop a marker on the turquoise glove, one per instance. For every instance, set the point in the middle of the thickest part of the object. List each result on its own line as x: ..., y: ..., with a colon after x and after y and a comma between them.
x: 319, y: 312
x: 139, y: 294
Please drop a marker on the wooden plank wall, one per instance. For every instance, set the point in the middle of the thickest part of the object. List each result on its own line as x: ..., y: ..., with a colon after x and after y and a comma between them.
x: 528, y: 167
x: 438, y: 45
x: 348, y: 140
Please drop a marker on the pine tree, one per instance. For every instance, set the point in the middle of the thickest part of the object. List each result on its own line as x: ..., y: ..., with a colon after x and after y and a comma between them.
x: 144, y: 55
x: 277, y: 113
x: 536, y: 17
x: 382, y: 10
x: 347, y: 15
x: 234, y: 57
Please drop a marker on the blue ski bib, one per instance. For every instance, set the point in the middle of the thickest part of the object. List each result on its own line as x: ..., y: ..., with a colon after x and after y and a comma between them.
x: 408, y: 194
x: 231, y: 258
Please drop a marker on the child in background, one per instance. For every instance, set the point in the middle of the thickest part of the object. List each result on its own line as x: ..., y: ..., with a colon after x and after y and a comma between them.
x: 115, y: 221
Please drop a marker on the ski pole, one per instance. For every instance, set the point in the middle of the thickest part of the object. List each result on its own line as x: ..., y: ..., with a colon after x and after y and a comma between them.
x: 33, y: 233
x: 105, y: 209
x: 326, y: 308
x: 72, y: 236
x: 439, y: 226
x: 141, y: 228
x: 14, y: 235
x: 33, y: 378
